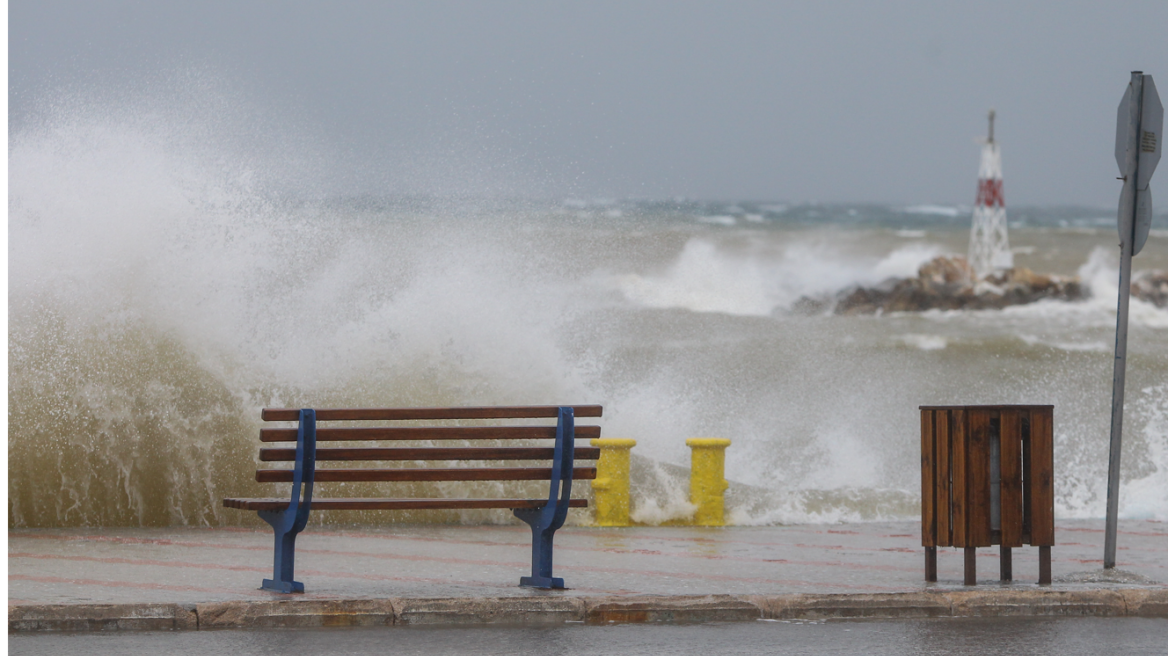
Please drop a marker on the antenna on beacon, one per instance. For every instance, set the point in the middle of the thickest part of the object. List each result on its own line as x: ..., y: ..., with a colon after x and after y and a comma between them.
x: 989, y: 245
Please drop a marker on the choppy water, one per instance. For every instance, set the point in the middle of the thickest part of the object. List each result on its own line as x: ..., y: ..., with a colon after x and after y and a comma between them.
x: 161, y: 292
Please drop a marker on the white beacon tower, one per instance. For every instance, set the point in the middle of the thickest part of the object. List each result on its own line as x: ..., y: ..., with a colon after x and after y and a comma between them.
x: 989, y: 246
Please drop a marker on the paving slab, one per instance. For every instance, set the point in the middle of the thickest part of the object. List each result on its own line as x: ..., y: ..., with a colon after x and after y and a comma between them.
x: 123, y: 578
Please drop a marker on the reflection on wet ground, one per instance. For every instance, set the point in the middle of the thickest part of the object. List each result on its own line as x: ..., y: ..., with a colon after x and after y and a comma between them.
x: 945, y: 637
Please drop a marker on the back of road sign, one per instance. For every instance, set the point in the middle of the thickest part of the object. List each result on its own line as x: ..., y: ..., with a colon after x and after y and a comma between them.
x: 1138, y: 143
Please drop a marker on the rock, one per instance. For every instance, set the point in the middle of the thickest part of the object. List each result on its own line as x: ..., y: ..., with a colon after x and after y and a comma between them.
x: 860, y: 300
x: 1152, y: 287
x: 954, y: 270
x: 1035, y: 281
x: 944, y: 283
x: 915, y: 294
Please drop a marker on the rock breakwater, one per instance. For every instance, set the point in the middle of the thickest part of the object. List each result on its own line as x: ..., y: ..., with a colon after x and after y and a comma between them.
x: 944, y: 283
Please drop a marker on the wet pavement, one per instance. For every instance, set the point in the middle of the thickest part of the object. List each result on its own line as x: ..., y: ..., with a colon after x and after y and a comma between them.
x: 192, y: 565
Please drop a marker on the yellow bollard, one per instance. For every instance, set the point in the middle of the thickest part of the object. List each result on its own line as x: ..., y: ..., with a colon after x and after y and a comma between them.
x: 611, y: 486
x: 707, y: 481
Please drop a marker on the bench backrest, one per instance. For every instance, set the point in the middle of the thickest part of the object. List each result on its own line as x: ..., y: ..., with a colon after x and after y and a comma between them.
x: 383, y: 433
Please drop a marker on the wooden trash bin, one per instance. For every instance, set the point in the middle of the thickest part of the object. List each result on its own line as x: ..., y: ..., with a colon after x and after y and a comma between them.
x: 987, y: 477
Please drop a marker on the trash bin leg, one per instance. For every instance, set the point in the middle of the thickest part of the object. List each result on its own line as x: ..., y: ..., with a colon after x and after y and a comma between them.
x: 1007, y: 561
x: 1044, y: 565
x: 970, y: 566
x: 931, y: 564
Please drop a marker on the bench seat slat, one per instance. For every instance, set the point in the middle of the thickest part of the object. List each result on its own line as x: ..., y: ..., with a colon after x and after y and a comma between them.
x: 421, y: 433
x: 403, y: 414
x: 428, y: 453
x: 396, y: 504
x: 425, y: 474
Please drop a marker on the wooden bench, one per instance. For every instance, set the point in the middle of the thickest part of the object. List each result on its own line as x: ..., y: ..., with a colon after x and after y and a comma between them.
x: 288, y: 516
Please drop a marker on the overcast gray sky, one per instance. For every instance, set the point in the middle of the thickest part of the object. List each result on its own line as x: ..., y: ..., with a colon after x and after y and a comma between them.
x: 823, y: 100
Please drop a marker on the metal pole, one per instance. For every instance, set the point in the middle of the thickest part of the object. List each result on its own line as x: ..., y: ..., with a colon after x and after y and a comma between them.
x: 1127, y: 243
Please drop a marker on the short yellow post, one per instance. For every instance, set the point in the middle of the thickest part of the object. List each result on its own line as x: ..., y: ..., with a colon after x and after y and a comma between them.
x: 611, y: 487
x: 707, y: 481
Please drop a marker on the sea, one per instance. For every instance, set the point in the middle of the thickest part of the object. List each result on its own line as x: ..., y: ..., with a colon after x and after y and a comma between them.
x: 158, y: 301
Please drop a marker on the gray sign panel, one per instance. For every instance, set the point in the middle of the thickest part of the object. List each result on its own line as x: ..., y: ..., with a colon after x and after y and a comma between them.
x: 1139, y: 141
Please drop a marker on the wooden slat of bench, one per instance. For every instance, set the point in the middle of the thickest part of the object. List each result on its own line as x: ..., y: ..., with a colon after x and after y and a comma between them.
x: 397, y: 504
x: 429, y: 453
x: 404, y: 414
x: 422, y: 433
x: 426, y: 474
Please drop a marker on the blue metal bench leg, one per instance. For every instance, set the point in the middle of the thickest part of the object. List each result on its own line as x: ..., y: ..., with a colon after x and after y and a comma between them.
x: 541, y: 553
x: 289, y: 522
x: 284, y: 560
x: 544, y: 521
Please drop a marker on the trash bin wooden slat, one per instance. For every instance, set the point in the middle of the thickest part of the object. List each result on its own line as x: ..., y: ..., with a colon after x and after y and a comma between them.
x: 944, y: 504
x: 1012, y: 511
x: 978, y: 531
x: 928, y: 480
x: 1041, y: 476
x: 959, y: 491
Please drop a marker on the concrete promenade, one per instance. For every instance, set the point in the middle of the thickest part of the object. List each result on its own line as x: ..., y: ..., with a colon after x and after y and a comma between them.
x: 189, y: 578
